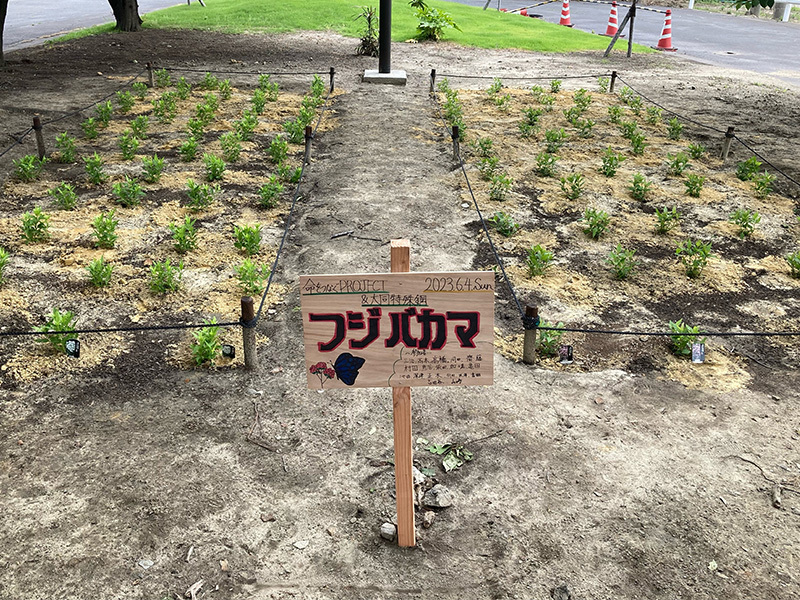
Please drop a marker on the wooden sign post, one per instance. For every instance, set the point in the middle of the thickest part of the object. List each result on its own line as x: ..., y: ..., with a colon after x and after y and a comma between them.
x: 399, y: 330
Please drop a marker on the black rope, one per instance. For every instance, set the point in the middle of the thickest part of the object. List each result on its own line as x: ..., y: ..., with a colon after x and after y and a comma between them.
x: 18, y: 142
x: 223, y: 72
x: 119, y: 329
x: 766, y: 160
x: 443, y: 75
x: 295, y: 199
x: 480, y: 214
x: 672, y: 112
x: 672, y: 333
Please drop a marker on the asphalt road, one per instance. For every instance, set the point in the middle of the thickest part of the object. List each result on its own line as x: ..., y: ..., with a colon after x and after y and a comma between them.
x: 737, y: 42
x: 31, y: 22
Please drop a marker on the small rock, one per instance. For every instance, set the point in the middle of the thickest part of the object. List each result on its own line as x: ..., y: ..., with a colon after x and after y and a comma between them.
x: 301, y: 544
x: 331, y: 531
x: 388, y: 531
x: 268, y: 517
x: 561, y: 592
x: 427, y: 519
x: 419, y: 476
x: 145, y: 563
x: 223, y: 564
x: 438, y: 496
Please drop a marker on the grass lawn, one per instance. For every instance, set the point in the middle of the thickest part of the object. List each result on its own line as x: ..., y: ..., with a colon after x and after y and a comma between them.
x: 483, y: 29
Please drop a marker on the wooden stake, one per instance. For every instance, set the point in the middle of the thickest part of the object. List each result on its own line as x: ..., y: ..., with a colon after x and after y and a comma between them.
x: 530, y: 341
x: 630, y: 29
x: 613, y: 81
x: 333, y: 74
x: 37, y: 129
x: 726, y: 143
x: 249, y: 333
x: 309, y: 137
x: 433, y: 80
x: 401, y: 401
x: 456, y: 150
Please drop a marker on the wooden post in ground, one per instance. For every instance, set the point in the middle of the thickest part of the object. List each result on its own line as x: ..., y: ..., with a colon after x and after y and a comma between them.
x: 401, y: 400
x: 529, y: 342
x: 613, y: 81
x: 333, y: 75
x: 632, y: 13
x: 309, y: 137
x: 37, y: 129
x: 249, y: 333
x: 433, y: 80
x: 726, y: 143
x: 456, y: 148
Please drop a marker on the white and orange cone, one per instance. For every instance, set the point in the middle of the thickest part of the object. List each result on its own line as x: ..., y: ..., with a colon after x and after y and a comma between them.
x: 565, y: 14
x: 613, y: 24
x: 665, y: 41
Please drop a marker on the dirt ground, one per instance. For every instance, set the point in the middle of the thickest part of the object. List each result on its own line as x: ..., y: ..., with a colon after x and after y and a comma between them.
x: 137, y: 477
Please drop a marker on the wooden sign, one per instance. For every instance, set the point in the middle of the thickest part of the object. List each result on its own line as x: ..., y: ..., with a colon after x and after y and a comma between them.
x: 398, y: 329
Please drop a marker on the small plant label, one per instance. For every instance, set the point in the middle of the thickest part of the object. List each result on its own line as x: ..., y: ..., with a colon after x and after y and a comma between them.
x: 398, y: 329
x: 698, y: 353
x: 73, y: 348
x: 565, y: 355
x: 228, y: 351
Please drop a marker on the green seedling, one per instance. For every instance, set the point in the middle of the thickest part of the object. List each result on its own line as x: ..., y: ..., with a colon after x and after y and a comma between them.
x: 554, y: 139
x: 153, y: 168
x: 484, y: 147
x: 100, y: 272
x: 183, y: 89
x: 793, y: 260
x: 128, y: 145
x: 603, y: 83
x: 209, y: 82
x: 638, y: 143
x: 746, y: 220
x: 653, y: 115
x: 103, y: 112
x: 94, y: 169
x: 572, y: 185
x: 246, y: 126
x: 139, y: 126
x: 270, y: 193
x: 546, y: 164
x: 188, y: 150
x: 677, y: 163
x: 748, y: 169
x: 596, y: 222
x: 201, y: 195
x: 184, y: 235
x: 288, y: 173
x: 278, y: 149
x: 494, y: 89
x: 165, y: 277
x: 694, y: 255
x: 499, y: 186
x: 504, y: 223
x: 610, y: 162
x: 763, y: 185
x: 231, y: 146
x: 683, y: 337
x: 65, y: 144
x: 28, y: 168
x: 225, y: 89
x: 57, y: 330
x: 128, y: 192
x: 259, y: 101
x: 4, y: 257
x: 139, y: 89
x: 628, y: 129
x: 252, y: 277
x: 269, y: 87
x: 694, y: 184
x: 674, y: 129
x: 90, y: 128
x: 196, y: 128
x: 125, y: 101
x: 35, y: 226
x: 622, y: 261
x: 667, y: 220
x: 639, y: 187
x: 615, y: 114
x: 549, y: 339
x: 64, y: 196
x: 488, y: 166
x: 582, y: 99
x: 206, y: 346
x: 162, y: 78
x: 247, y: 239
x: 555, y: 86
x: 215, y: 167
x: 104, y: 230
x: 585, y: 128
x: 538, y: 260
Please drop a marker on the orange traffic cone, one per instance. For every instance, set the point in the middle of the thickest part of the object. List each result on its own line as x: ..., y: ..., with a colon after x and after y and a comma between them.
x: 665, y: 41
x: 565, y: 14
x: 613, y: 25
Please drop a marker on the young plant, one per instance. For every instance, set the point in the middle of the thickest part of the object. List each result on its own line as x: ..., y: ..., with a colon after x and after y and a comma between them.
x: 677, y: 163
x: 35, y: 226
x: 584, y: 128
x: 674, y: 129
x: 4, y: 255
x: 252, y: 277
x: 188, y: 150
x: 165, y: 277
x: 296, y: 130
x: 538, y: 260
x: 572, y: 185
x: 596, y: 222
x: 635, y: 104
x: 201, y: 195
x: 289, y: 174
x: 57, y: 330
x: 746, y: 220
x: 537, y: 91
x: 603, y: 83
x: 615, y: 114
x: 90, y: 128
x: 94, y: 169
x: 163, y: 78
x: 487, y: 167
x: 611, y: 161
x: 546, y: 164
x: 128, y: 192
x: 639, y: 187
x: 638, y: 143
x: 104, y: 230
x: 246, y: 126
x: 572, y: 114
x: 503, y: 102
x: 139, y: 126
x: 499, y: 186
x: 209, y: 82
x: 549, y: 339
x: 694, y: 255
x: 504, y: 223
x: 270, y: 192
x: 184, y: 235
x: 206, y: 346
x: 494, y: 89
x: 125, y: 100
x: 103, y: 112
x: 484, y: 147
x: 231, y: 146
x: 28, y: 167
x: 259, y: 100
x: 269, y: 87
x: 183, y: 89
x: 622, y: 261
x: 628, y: 129
x: 667, y: 220
x: 793, y: 260
x: 128, y: 145
x: 165, y: 108
x: 196, y: 127
x: 139, y: 89
x: 278, y: 149
x: 548, y: 102
x: 215, y: 167
x: 748, y: 169
x: 554, y: 139
x: 694, y: 184
x: 153, y: 167
x: 431, y: 21
x: 100, y: 272
x: 582, y: 99
x: 555, y: 86
x: 247, y: 239
x: 653, y: 115
x: 696, y: 151
x: 64, y: 196
x: 763, y: 185
x: 368, y: 45
x: 65, y: 144
x: 683, y: 337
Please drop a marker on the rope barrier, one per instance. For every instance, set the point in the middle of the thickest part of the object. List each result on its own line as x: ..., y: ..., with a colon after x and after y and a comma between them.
x: 619, y: 4
x: 224, y: 72
x: 14, y: 333
x: 18, y: 142
x: 531, y: 78
x: 766, y: 160
x: 534, y: 323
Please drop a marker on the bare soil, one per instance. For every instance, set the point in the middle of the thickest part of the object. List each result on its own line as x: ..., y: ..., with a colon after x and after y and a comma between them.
x: 137, y: 476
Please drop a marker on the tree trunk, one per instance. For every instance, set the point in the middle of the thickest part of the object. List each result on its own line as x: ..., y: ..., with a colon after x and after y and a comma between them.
x: 126, y: 13
x: 3, y: 8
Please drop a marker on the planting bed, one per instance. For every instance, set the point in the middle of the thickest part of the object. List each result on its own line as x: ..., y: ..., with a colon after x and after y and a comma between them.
x: 746, y: 286
x: 52, y: 274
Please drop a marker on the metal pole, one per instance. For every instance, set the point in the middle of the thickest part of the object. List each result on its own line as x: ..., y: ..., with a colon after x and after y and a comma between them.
x: 630, y: 29
x: 385, y: 38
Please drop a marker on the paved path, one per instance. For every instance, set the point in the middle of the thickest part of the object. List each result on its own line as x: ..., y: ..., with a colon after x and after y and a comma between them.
x: 31, y: 22
x: 736, y: 42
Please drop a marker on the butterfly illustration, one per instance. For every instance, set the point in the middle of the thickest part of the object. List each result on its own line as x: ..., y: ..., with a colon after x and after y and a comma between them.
x: 347, y: 366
